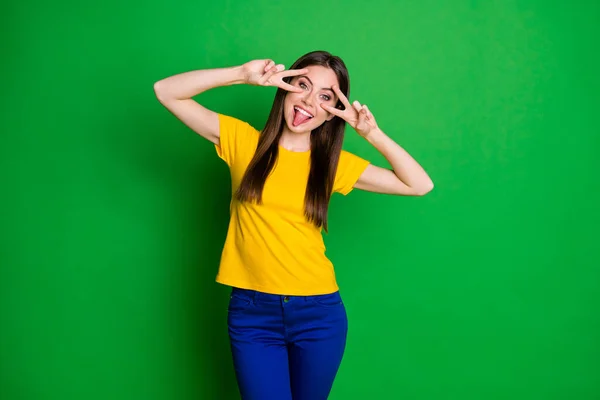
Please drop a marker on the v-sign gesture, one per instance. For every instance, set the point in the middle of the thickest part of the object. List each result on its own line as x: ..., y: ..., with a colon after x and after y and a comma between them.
x: 358, y: 116
x: 266, y: 73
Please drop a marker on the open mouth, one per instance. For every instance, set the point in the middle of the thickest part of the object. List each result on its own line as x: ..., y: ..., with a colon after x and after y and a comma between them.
x: 301, y: 116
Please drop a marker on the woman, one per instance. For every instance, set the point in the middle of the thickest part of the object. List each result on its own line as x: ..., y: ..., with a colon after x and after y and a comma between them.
x: 287, y: 322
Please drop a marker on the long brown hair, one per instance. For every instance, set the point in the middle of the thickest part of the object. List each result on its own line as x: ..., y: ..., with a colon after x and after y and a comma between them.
x: 326, y: 146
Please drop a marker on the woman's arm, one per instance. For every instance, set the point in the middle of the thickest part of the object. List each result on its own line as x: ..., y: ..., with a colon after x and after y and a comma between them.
x: 406, y: 178
x: 176, y: 92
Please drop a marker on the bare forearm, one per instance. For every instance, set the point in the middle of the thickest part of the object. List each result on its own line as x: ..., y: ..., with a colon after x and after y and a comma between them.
x: 189, y: 84
x: 405, y: 167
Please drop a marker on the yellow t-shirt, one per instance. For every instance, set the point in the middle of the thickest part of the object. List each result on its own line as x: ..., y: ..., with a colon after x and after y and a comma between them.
x: 271, y: 247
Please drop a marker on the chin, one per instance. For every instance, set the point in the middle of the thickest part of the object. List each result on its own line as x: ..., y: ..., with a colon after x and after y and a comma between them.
x: 299, y: 129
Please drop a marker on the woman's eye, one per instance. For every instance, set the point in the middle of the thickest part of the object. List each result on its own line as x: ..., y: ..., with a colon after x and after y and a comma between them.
x: 303, y: 85
x: 326, y: 98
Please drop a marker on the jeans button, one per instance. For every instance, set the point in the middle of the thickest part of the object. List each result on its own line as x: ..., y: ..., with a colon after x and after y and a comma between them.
x: 286, y: 299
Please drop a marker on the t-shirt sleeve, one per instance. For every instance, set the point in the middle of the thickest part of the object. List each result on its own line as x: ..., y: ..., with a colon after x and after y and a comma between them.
x: 350, y: 168
x: 237, y: 139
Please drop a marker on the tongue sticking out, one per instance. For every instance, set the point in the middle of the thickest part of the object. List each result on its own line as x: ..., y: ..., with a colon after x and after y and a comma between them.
x: 299, y: 118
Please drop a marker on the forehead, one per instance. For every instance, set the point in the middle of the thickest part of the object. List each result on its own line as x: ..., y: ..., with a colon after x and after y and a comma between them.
x: 321, y: 77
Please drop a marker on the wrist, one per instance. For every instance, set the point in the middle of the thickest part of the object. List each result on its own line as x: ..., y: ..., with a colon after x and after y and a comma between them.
x: 374, y: 136
x: 238, y: 75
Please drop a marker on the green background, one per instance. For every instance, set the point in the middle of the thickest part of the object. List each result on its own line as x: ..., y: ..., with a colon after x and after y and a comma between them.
x: 113, y: 214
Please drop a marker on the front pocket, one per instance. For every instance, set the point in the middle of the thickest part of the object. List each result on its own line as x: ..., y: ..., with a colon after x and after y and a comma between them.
x: 328, y: 300
x: 239, y: 303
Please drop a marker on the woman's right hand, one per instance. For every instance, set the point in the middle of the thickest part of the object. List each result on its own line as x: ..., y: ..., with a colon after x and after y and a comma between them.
x: 267, y: 73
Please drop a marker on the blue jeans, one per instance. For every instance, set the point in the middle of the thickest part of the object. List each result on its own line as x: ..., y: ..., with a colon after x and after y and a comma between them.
x: 286, y: 347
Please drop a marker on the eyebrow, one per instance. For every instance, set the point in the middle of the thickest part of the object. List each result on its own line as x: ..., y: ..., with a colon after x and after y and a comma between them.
x: 308, y: 79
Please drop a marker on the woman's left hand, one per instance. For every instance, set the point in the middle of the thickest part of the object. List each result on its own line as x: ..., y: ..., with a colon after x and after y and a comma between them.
x: 356, y: 115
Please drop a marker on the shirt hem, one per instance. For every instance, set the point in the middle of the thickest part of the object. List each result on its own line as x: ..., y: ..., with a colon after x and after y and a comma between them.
x: 270, y: 290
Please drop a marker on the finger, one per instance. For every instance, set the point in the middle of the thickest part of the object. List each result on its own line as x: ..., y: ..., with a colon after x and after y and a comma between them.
x: 369, y: 114
x: 268, y: 64
x: 357, y: 106
x: 288, y: 87
x: 266, y: 76
x: 362, y: 119
x: 288, y: 73
x: 333, y: 110
x: 293, y: 72
x: 341, y: 96
x: 362, y: 115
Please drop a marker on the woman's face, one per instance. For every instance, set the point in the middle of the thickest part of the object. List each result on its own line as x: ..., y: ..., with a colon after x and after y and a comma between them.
x: 302, y: 111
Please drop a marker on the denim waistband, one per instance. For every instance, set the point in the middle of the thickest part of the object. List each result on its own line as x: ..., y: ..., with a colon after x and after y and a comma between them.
x: 276, y: 298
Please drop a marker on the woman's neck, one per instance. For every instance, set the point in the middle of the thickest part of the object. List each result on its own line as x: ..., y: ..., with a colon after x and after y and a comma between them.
x: 295, y: 141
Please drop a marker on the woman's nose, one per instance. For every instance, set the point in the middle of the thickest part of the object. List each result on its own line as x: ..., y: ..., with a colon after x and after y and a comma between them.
x: 308, y: 99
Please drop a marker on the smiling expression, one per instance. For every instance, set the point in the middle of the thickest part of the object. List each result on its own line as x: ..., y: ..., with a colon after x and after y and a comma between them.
x: 303, y: 111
